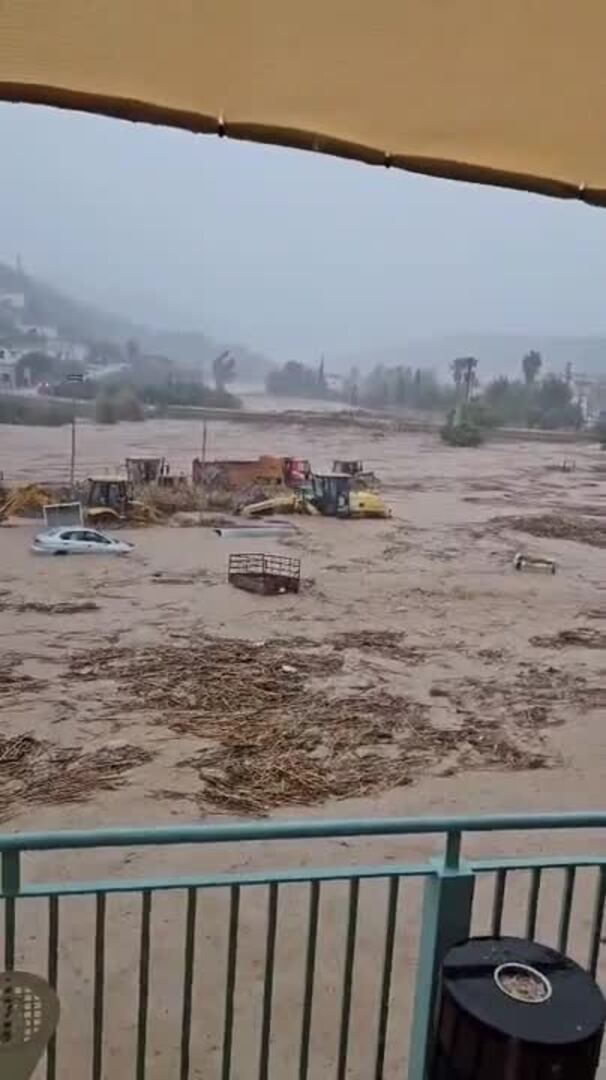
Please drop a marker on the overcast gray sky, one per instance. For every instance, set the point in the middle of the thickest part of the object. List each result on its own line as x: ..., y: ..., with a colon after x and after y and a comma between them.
x: 289, y: 252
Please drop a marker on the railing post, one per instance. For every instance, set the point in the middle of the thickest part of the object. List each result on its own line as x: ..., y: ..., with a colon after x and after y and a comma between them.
x: 11, y: 883
x: 446, y: 919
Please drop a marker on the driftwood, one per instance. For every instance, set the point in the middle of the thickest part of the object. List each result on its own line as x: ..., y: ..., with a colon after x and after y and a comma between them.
x: 534, y: 562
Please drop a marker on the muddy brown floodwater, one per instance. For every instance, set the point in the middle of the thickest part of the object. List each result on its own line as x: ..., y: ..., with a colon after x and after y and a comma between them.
x: 416, y: 673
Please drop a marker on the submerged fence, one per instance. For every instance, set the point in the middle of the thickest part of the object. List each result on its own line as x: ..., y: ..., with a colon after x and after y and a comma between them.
x: 319, y: 970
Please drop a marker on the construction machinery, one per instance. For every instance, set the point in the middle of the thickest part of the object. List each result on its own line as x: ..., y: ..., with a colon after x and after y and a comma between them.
x: 108, y: 497
x: 352, y: 468
x: 355, y: 469
x: 296, y: 471
x: 228, y: 475
x: 145, y: 470
x: 288, y: 503
x: 329, y: 494
x: 334, y: 495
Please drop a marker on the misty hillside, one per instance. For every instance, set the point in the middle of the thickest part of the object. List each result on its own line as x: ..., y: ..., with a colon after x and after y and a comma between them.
x: 498, y: 354
x: 192, y: 348
x: 50, y: 307
x: 78, y: 321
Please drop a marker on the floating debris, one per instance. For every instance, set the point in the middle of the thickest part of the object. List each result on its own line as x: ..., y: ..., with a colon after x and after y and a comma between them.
x: 385, y: 642
x: 557, y: 527
x: 35, y: 772
x: 61, y: 608
x: 12, y: 680
x: 585, y: 636
x: 522, y: 561
x: 271, y: 736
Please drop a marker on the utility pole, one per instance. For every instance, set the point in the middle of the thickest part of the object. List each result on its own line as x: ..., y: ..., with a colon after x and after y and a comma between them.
x: 204, y: 434
x: 72, y: 463
x: 76, y: 377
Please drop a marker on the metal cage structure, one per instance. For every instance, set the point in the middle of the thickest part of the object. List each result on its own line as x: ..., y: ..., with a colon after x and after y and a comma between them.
x: 266, y: 574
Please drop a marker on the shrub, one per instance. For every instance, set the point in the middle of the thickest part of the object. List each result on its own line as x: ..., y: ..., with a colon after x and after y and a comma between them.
x: 128, y: 405
x: 34, y: 411
x: 299, y: 380
x: 105, y: 409
x: 465, y: 433
x: 112, y: 405
x: 482, y: 415
x: 562, y: 416
x: 187, y: 393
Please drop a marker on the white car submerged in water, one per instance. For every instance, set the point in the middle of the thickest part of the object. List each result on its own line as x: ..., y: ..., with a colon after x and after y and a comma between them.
x: 78, y: 541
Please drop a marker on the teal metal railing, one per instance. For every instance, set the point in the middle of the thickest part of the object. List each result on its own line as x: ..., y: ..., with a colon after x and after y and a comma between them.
x: 416, y: 907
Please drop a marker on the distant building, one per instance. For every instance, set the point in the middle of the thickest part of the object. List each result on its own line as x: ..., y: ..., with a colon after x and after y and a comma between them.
x: 45, y: 339
x: 9, y: 359
x: 590, y: 394
x: 39, y: 330
x: 75, y: 351
x: 14, y: 301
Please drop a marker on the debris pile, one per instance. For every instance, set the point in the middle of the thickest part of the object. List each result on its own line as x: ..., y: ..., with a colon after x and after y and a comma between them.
x: 384, y: 642
x: 13, y: 681
x: 557, y: 527
x: 585, y: 636
x: 524, y: 704
x: 183, y: 577
x: 34, y: 772
x: 340, y: 748
x: 216, y: 678
x: 168, y: 501
x: 595, y: 613
x: 28, y: 501
x: 66, y: 607
x: 272, y: 734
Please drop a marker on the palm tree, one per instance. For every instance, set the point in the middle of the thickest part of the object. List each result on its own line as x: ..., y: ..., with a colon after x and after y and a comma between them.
x: 464, y: 373
x: 457, y: 367
x: 531, y: 365
x: 224, y: 369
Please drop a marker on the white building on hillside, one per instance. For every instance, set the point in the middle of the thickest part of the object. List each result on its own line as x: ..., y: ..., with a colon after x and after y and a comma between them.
x: 9, y: 359
x: 14, y: 301
x: 38, y: 330
x: 590, y: 393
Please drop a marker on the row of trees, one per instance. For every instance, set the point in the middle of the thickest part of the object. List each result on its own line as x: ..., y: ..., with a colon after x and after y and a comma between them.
x: 528, y: 401
x: 34, y: 411
x: 464, y: 371
x: 299, y: 380
x: 400, y: 387
x: 383, y: 387
x: 546, y: 404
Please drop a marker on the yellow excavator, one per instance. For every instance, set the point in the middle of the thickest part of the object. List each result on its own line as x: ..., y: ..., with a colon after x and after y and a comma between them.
x: 335, y: 495
x: 110, y: 501
x: 329, y: 494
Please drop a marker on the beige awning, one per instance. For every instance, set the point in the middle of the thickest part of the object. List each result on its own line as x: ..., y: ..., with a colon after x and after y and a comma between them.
x: 508, y: 92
